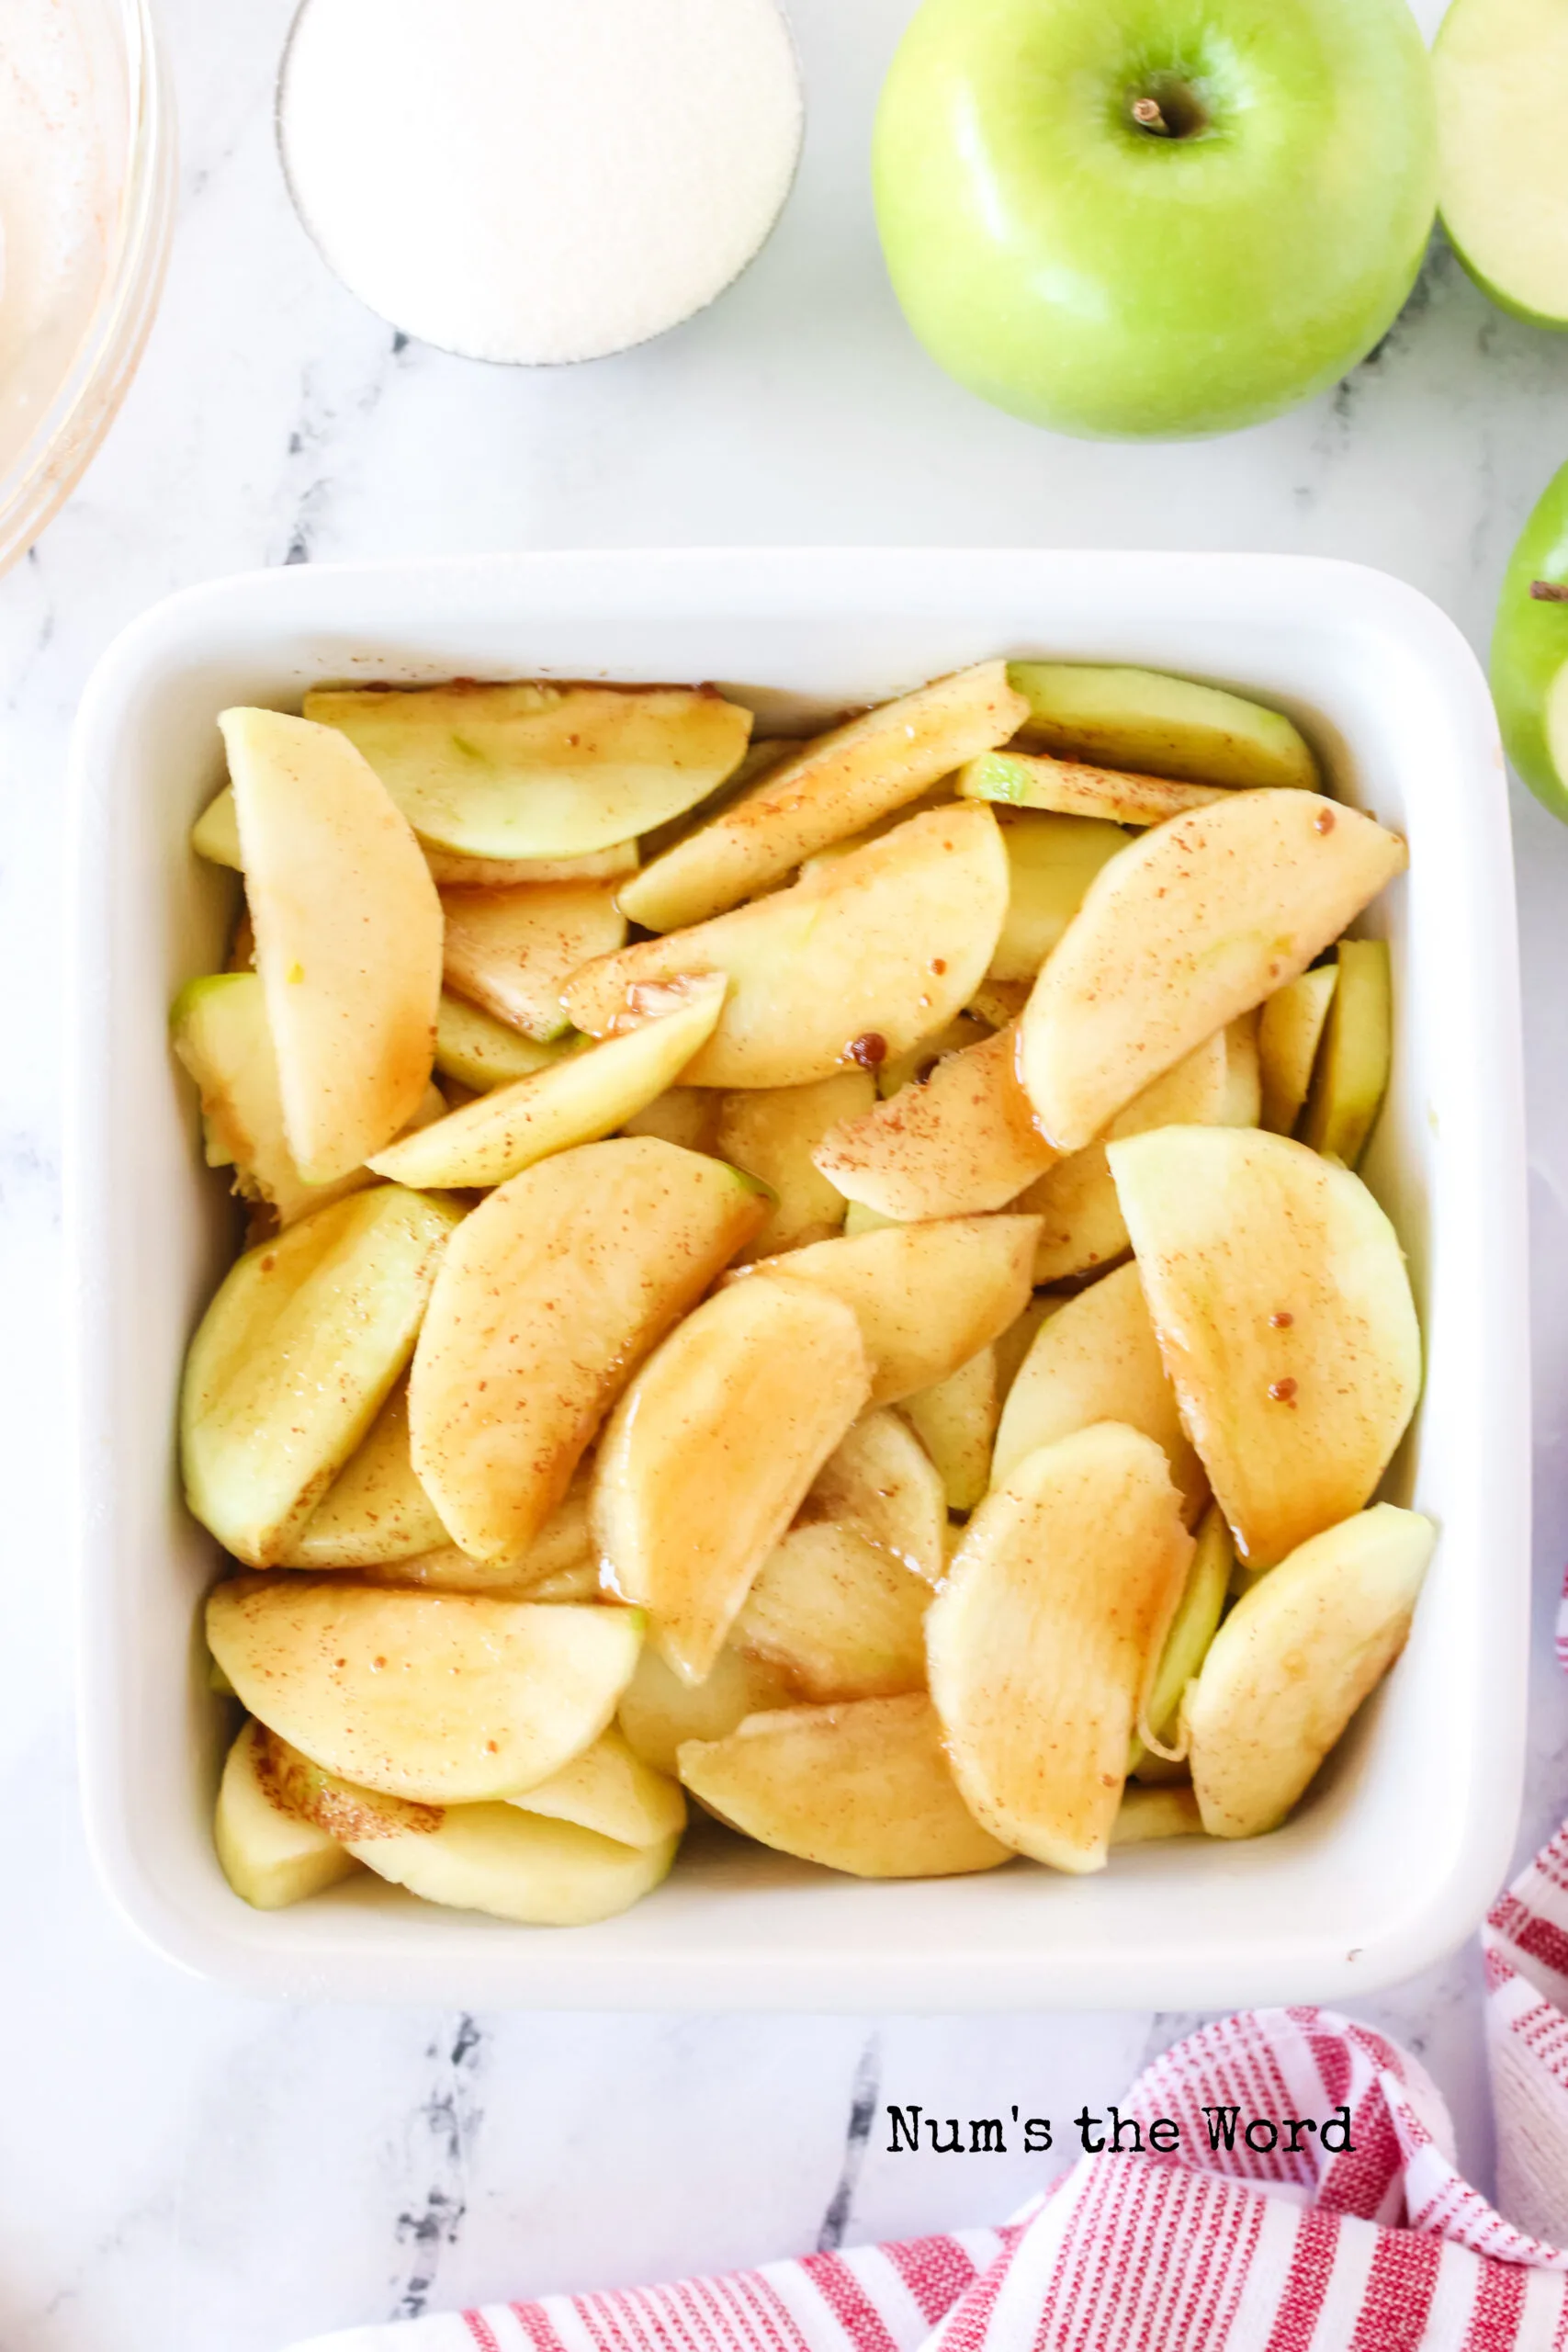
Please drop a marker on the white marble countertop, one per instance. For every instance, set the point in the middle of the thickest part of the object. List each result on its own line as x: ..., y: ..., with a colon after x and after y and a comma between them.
x: 184, y: 2168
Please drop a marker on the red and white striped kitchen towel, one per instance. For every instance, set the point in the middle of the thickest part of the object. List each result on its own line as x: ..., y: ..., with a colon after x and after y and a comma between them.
x: 1381, y: 2249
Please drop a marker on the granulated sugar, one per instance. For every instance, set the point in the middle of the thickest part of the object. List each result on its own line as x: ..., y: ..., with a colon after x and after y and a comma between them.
x: 537, y: 180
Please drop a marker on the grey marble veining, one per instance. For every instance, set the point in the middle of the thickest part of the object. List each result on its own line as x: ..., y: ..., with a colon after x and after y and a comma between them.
x: 183, y: 2168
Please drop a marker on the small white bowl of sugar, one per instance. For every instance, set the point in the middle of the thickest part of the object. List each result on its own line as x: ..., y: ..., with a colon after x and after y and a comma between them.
x: 536, y: 181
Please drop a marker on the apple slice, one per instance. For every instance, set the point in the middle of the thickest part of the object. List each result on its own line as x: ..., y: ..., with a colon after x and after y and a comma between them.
x: 839, y: 1618
x: 995, y: 1003
x: 858, y: 961
x: 1071, y: 789
x: 1145, y: 1815
x: 561, y: 1562
x: 512, y: 952
x: 577, y: 1099
x: 270, y: 1855
x: 1290, y: 1029
x: 687, y: 1115
x: 772, y: 1131
x: 1012, y: 1345
x: 609, y: 1789
x: 1501, y: 178
x: 482, y: 1052
x: 1192, y: 926
x: 955, y: 1422
x: 1192, y: 1629
x: 347, y: 937
x: 1150, y: 722
x: 711, y: 1451
x: 837, y: 784
x: 564, y: 1280
x: 1293, y: 1661
x: 658, y: 1711
x: 216, y: 833
x: 294, y: 1358
x: 956, y: 1144
x: 1280, y: 1293
x: 1043, y: 1641
x: 1051, y: 862
x: 441, y: 1698
x: 1352, y: 1077
x: 1081, y: 1226
x: 375, y: 1509
x: 862, y: 1787
x: 538, y: 770
x: 964, y: 1029
x: 1097, y: 1359
x: 612, y: 864
x: 520, y: 1867
x: 928, y: 1297
x: 881, y: 1484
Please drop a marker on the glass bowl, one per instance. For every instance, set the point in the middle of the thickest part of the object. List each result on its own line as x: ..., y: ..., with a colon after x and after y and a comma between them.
x: 72, y: 331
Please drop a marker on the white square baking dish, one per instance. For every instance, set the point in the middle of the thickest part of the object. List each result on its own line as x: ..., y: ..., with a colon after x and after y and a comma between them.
x: 1396, y: 1854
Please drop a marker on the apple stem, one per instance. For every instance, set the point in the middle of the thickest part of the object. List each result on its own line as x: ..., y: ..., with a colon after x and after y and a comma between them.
x: 1146, y: 112
x: 1549, y: 592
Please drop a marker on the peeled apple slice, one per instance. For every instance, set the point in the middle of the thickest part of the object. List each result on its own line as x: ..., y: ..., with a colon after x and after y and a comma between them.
x: 1293, y: 1661
x: 347, y: 937
x: 1042, y: 1640
x: 376, y: 1509
x: 687, y: 1115
x: 1147, y: 720
x: 858, y: 962
x: 711, y: 1451
x: 772, y: 1131
x: 536, y: 770
x: 1097, y: 1359
x: 609, y: 1789
x: 566, y: 1277
x: 834, y: 785
x: 1145, y: 1815
x: 1290, y: 1029
x: 1280, y: 1293
x: 1352, y: 1070
x: 956, y: 1144
x: 482, y: 1052
x: 956, y: 1423
x: 882, y: 1485
x: 270, y: 1855
x: 1191, y: 1630
x: 841, y: 1619
x: 928, y: 1297
x: 560, y: 1563
x: 577, y: 1099
x: 862, y: 1787
x: 512, y: 952
x: 658, y: 1711
x: 517, y: 1866
x: 1051, y: 862
x: 1075, y: 791
x: 294, y: 1358
x: 218, y: 1029
x: 216, y: 833
x: 1193, y: 925
x: 439, y: 1698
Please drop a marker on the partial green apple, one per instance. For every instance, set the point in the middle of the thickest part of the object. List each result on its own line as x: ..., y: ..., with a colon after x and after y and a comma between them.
x: 1530, y: 651
x: 1135, y: 218
x: 1503, y: 179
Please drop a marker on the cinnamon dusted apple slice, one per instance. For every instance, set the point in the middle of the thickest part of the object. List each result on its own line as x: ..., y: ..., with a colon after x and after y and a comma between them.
x: 862, y: 1787
x: 566, y: 1277
x: 1190, y: 926
x: 839, y: 1618
x: 294, y: 1358
x: 270, y: 1855
x: 772, y: 1131
x: 347, y: 937
x: 1352, y: 1077
x: 835, y: 785
x: 956, y: 1144
x: 512, y: 952
x: 882, y: 1485
x: 1290, y: 1030
x: 538, y: 770
x: 928, y: 1297
x: 218, y: 1029
x: 560, y: 1563
x: 1043, y: 1641
x: 1051, y: 862
x: 687, y: 1115
x: 482, y: 1052
x: 963, y: 1029
x: 375, y: 1509
x: 1097, y: 1359
x: 956, y: 1421
x: 609, y: 1789
x: 442, y: 1698
x: 1145, y: 1815
x: 517, y: 1866
x: 1081, y: 1226
x: 1073, y: 789
x: 612, y: 864
x: 1293, y: 1661
x: 658, y: 1711
x: 1280, y: 1293
x: 858, y: 961
x: 710, y: 1452
x: 1171, y: 726
x: 578, y: 1099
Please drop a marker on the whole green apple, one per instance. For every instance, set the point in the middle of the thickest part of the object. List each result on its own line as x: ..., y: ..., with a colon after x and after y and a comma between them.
x: 1530, y: 651
x: 1131, y: 218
